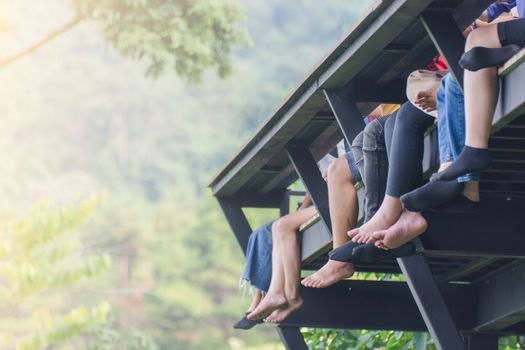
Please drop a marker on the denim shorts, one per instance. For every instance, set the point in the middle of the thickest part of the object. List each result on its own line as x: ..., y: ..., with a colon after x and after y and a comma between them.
x: 356, y: 175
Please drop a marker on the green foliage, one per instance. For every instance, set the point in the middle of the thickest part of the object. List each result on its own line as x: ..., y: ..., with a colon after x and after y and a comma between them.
x: 40, y: 254
x: 512, y: 343
x: 104, y: 338
x: 75, y: 323
x: 331, y: 339
x: 90, y: 120
x: 190, y: 36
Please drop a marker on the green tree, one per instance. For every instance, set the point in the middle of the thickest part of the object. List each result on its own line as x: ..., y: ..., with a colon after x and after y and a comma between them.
x: 187, y: 35
x: 41, y: 258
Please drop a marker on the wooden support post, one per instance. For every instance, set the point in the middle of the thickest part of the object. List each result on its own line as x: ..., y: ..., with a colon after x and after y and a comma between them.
x: 347, y: 115
x: 481, y: 341
x: 284, y: 204
x: 237, y: 220
x: 448, y: 39
x: 292, y: 338
x: 306, y: 167
x: 431, y: 303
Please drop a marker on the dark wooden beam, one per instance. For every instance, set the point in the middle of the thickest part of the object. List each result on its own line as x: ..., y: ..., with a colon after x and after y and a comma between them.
x: 500, y: 299
x: 306, y: 167
x: 252, y: 199
x: 291, y: 338
x: 448, y: 39
x: 346, y: 113
x: 380, y: 305
x: 481, y: 341
x: 237, y: 221
x: 459, y: 233
x: 430, y: 303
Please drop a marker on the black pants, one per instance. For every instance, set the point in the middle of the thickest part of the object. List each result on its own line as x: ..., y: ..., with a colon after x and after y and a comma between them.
x: 512, y: 32
x: 404, y: 133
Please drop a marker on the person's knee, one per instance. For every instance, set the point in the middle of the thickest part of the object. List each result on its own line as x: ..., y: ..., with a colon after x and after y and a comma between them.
x: 411, y: 118
x: 358, y: 140
x: 282, y: 226
x: 338, y: 171
x: 374, y: 136
x: 477, y: 37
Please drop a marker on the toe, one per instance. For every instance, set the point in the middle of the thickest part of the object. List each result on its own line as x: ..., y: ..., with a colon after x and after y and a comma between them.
x: 307, y: 283
x: 381, y: 244
x: 379, y: 234
x: 353, y: 233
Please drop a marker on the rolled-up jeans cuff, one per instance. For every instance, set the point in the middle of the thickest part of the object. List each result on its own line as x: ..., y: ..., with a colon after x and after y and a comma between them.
x: 469, y: 177
x: 356, y: 175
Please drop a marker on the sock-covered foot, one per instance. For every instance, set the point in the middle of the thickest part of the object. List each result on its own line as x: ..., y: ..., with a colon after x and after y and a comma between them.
x: 269, y: 304
x: 409, y: 226
x: 471, y: 160
x: 332, y: 272
x: 344, y: 253
x: 483, y: 57
x: 460, y: 204
x: 431, y: 195
x: 245, y: 323
x: 370, y: 253
x: 279, y: 316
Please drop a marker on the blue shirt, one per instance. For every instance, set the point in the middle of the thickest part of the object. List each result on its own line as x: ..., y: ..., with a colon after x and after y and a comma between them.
x: 497, y: 8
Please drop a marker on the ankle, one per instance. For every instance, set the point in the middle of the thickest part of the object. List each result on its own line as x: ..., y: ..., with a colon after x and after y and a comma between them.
x: 479, y: 144
x: 471, y: 195
x: 390, y: 212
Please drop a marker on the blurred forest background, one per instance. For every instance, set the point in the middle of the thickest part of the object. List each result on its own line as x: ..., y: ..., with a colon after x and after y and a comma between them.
x: 110, y: 238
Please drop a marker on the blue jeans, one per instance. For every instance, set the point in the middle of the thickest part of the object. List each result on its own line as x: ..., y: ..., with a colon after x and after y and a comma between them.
x: 258, y: 268
x: 451, y: 123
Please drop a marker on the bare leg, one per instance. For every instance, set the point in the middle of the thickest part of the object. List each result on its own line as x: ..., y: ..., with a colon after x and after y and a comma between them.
x: 256, y: 299
x: 409, y: 226
x: 471, y: 191
x: 385, y: 217
x: 275, y: 297
x: 481, y: 90
x: 285, y: 293
x: 481, y: 94
x: 343, y: 213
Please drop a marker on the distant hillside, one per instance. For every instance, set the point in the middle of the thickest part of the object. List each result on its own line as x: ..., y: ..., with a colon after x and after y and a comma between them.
x: 77, y: 118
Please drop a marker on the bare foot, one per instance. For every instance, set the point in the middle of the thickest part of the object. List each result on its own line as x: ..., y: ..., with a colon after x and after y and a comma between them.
x: 409, y: 226
x: 269, y: 304
x: 256, y: 299
x: 365, y: 233
x: 332, y: 272
x: 280, y: 315
x: 426, y: 100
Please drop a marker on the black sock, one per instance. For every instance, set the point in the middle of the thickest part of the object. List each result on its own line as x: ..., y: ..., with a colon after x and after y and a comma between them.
x: 471, y: 160
x: 344, y: 253
x: 354, y: 252
x: 245, y: 323
x: 431, y: 195
x: 371, y: 253
x: 483, y: 57
x: 460, y: 204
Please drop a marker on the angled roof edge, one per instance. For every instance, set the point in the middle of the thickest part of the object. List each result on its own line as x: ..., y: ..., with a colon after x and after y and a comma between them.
x: 372, y: 12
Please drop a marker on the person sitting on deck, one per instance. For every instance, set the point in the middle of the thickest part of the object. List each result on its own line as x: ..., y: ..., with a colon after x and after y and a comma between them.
x: 486, y: 48
x: 282, y: 297
x: 464, y: 191
x: 257, y: 269
x: 404, y: 133
x: 369, y: 152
